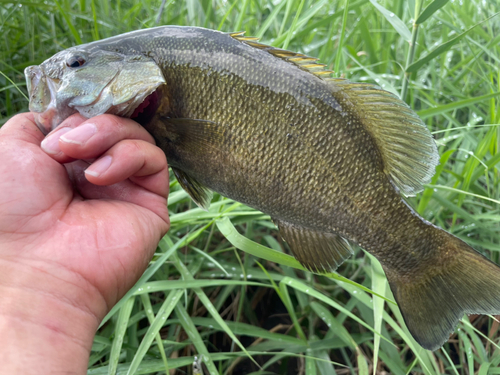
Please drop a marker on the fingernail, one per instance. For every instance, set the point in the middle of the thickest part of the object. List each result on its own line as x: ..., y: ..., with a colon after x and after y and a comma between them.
x: 51, y: 144
x: 80, y: 135
x: 100, y: 166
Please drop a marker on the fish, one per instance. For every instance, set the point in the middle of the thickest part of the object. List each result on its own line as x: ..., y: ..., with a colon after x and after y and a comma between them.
x: 330, y: 160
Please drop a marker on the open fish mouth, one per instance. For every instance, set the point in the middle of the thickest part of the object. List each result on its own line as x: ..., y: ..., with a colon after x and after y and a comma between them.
x: 145, y: 111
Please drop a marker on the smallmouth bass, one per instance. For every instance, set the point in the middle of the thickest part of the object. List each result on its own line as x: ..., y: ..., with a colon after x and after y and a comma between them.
x: 324, y: 157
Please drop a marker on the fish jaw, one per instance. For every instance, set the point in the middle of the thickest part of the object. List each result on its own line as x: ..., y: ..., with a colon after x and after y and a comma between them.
x: 43, y: 99
x: 108, y: 82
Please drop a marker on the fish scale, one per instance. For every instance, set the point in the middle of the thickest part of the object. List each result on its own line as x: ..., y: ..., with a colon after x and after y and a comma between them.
x: 326, y: 158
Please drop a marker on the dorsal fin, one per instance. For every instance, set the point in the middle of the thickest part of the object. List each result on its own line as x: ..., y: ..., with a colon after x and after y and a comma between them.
x: 304, y: 62
x: 408, y: 150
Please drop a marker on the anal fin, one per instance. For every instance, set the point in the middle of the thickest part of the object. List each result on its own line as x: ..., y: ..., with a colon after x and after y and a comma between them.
x: 200, y: 194
x: 316, y: 250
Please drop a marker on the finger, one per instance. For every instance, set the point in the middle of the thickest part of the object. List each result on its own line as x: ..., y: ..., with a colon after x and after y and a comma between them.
x: 51, y: 142
x: 141, y: 160
x: 22, y: 127
x: 126, y: 191
x: 94, y: 136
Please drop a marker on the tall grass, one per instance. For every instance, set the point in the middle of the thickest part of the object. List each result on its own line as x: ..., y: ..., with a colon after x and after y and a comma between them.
x: 203, y: 303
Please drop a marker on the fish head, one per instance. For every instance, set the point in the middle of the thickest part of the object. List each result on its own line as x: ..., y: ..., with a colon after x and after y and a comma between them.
x: 91, y: 81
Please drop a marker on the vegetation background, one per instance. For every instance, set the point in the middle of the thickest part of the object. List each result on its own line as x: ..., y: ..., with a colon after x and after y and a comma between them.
x: 204, y: 306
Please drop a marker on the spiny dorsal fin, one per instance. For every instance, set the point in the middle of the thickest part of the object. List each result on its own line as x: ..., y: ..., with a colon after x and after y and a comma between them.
x: 200, y: 194
x: 237, y: 34
x: 408, y: 150
x: 304, y: 62
x: 315, y: 250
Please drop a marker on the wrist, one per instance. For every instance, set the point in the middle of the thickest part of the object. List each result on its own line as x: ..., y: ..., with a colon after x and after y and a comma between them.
x: 46, y: 324
x: 31, y: 348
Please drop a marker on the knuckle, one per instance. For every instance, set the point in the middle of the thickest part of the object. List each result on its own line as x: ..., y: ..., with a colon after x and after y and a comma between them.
x: 112, y: 122
x: 131, y: 147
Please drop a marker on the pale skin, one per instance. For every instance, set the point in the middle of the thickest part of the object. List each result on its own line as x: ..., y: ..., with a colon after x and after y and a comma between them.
x: 74, y: 235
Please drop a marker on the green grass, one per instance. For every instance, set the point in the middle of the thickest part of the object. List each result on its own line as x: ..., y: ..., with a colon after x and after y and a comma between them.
x: 204, y: 297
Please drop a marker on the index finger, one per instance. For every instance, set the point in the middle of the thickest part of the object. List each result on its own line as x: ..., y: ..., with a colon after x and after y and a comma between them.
x: 91, y: 138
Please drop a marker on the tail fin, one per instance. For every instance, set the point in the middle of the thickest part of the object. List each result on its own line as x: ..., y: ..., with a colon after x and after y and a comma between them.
x: 433, y: 302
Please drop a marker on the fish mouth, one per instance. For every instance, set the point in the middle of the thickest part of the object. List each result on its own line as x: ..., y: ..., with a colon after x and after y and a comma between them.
x: 43, y: 99
x: 147, y: 109
x: 50, y: 110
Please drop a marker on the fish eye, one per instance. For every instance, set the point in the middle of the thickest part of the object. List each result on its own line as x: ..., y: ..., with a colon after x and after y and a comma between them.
x: 75, y: 61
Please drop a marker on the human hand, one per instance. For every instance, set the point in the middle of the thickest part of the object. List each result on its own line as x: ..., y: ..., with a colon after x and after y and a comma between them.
x: 73, y: 240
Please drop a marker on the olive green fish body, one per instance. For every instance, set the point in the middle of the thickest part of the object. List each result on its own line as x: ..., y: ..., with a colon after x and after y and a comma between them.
x: 290, y: 147
x: 324, y: 157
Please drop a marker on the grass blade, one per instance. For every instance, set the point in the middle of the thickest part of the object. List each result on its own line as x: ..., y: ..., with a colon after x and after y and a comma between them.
x: 95, y: 31
x: 379, y: 285
x: 341, y: 40
x: 166, y: 309
x: 430, y: 10
x: 66, y: 17
x: 270, y: 19
x: 208, y: 304
x: 333, y: 324
x: 442, y: 48
x: 196, y: 339
x: 394, y: 20
x: 294, y: 25
x: 455, y: 105
x: 120, y: 329
x: 253, y: 248
x: 148, y: 309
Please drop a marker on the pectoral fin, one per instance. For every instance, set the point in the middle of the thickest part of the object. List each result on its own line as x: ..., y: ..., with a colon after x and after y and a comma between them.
x: 317, y: 251
x: 191, y: 141
x: 200, y: 194
x: 194, y: 135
